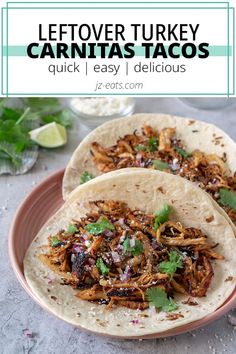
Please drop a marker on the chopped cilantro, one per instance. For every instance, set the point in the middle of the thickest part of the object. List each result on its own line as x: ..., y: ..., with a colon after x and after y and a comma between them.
x: 158, y: 298
x: 103, y: 269
x: 135, y: 250
x: 161, y: 216
x: 72, y: 229
x: 227, y: 198
x: 62, y: 117
x: 182, y: 152
x: 55, y: 241
x: 99, y: 227
x: 153, y: 144
x: 140, y: 147
x: 170, y: 267
x: 85, y: 177
x: 159, y: 165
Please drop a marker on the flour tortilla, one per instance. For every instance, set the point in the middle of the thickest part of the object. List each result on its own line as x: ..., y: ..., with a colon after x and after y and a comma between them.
x: 194, y: 134
x: 140, y: 189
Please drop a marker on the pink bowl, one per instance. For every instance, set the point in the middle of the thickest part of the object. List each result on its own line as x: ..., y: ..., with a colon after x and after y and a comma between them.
x: 34, y: 211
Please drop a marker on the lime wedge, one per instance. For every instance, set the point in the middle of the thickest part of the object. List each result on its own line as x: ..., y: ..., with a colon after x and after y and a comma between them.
x: 50, y: 135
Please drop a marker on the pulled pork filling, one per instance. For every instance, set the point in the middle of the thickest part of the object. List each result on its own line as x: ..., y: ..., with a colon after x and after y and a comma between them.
x: 163, y: 151
x: 118, y: 256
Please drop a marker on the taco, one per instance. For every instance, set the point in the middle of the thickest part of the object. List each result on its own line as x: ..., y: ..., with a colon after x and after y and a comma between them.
x: 133, y: 254
x: 197, y: 151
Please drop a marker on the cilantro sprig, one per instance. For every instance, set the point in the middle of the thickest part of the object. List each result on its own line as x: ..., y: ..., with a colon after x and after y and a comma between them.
x: 158, y: 298
x: 85, y: 177
x: 169, y: 267
x: 102, y: 267
x: 15, y: 125
x: 140, y: 147
x: 99, y: 226
x: 55, y: 241
x: 153, y: 144
x: 72, y: 229
x: 159, y: 165
x: 134, y: 250
x: 161, y: 216
x: 227, y: 198
x: 182, y: 152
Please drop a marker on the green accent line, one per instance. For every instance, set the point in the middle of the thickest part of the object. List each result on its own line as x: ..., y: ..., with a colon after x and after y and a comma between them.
x: 228, y: 69
x: 21, y: 51
x: 117, y: 94
x: 118, y: 2
x: 7, y: 53
x: 2, y: 53
x: 117, y: 8
x: 233, y: 51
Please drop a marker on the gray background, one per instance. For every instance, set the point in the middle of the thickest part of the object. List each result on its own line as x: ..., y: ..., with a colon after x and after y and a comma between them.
x: 50, y: 335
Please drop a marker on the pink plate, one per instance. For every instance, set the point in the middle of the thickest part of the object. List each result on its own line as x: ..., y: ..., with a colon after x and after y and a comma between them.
x: 35, y: 210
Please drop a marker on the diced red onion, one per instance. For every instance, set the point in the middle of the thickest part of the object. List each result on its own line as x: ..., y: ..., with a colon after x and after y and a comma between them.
x: 132, y: 242
x: 135, y: 321
x: 127, y: 273
x: 108, y: 233
x: 139, y: 156
x: 77, y: 249
x: 119, y: 248
x: 121, y: 221
x: 115, y: 256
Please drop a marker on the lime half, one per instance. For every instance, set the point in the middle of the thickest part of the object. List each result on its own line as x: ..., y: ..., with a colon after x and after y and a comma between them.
x: 51, y: 135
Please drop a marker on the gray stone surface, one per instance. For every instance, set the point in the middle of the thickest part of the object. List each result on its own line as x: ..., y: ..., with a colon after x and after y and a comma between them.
x: 50, y: 335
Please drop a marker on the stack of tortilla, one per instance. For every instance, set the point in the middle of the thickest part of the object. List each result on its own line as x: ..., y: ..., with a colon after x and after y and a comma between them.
x: 147, y: 189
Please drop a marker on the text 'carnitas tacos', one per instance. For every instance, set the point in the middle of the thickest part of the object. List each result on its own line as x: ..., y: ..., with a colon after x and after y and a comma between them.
x: 195, y: 150
x: 133, y: 254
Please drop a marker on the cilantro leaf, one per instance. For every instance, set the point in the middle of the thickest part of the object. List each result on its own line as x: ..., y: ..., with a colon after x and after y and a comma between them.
x: 55, y: 241
x: 182, y: 152
x: 85, y: 177
x: 99, y: 227
x: 135, y: 250
x: 103, y: 269
x: 227, y: 198
x: 72, y: 229
x: 43, y: 104
x: 170, y: 267
x: 159, y: 165
x: 158, y: 298
x: 140, y: 147
x: 161, y: 216
x: 62, y: 117
x: 153, y: 144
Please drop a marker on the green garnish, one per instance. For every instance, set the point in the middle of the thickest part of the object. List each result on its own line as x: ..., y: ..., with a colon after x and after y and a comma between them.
x: 63, y: 117
x: 85, y: 177
x: 153, y: 144
x: 182, y: 152
x: 170, y: 267
x: 158, y: 298
x: 103, y: 269
x: 161, y: 216
x: 140, y: 147
x: 72, y: 229
x: 159, y: 165
x: 15, y: 125
x: 55, y: 241
x: 135, y: 250
x: 100, y: 226
x: 227, y: 198
x: 43, y: 104
x: 14, y: 137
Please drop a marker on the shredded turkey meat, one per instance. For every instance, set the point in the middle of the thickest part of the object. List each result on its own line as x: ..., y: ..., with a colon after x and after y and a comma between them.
x: 164, y: 151
x: 114, y: 254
